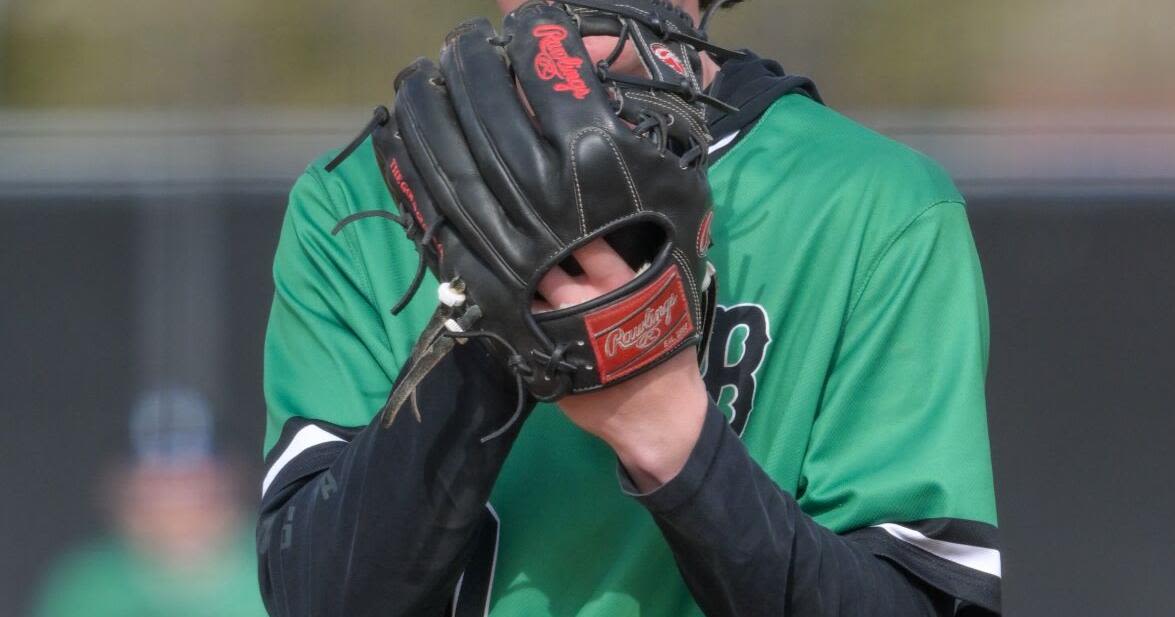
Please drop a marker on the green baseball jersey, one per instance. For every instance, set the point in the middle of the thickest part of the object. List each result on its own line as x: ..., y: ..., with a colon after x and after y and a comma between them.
x: 849, y: 352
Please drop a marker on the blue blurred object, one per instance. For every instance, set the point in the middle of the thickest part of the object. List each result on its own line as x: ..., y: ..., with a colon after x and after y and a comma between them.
x: 173, y: 426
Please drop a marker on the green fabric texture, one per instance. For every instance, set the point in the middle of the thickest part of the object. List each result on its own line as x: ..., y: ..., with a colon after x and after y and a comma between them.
x: 869, y: 402
x: 109, y: 579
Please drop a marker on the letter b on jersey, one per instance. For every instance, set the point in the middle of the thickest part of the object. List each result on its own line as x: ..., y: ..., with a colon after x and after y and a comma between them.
x: 737, y: 348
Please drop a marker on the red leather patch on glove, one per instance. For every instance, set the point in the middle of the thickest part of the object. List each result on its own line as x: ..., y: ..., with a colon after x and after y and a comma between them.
x: 639, y: 329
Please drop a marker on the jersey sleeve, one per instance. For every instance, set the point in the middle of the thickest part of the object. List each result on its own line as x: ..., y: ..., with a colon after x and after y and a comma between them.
x: 327, y: 353
x: 358, y: 518
x: 899, y: 452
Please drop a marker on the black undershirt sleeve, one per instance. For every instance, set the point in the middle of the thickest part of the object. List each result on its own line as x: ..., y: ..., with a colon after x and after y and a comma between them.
x: 383, y: 524
x: 745, y: 548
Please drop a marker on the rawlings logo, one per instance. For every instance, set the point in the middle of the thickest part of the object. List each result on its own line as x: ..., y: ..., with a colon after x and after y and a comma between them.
x: 647, y: 332
x: 410, y: 197
x: 642, y: 328
x: 554, y: 63
x: 666, y: 55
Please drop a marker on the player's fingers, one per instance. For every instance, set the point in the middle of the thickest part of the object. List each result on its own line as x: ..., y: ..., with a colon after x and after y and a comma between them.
x: 562, y: 290
x: 603, y: 266
x: 558, y: 287
x: 552, y: 282
x: 603, y: 271
x: 540, y: 305
x: 556, y: 73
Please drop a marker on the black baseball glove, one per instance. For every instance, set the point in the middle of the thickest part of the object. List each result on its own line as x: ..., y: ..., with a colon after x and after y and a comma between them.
x: 517, y: 150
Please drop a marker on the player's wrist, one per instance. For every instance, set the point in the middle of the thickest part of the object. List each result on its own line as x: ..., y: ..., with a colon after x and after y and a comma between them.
x: 655, y: 437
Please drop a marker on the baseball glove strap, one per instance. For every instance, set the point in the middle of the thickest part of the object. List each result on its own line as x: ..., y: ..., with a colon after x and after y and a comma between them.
x: 611, y: 338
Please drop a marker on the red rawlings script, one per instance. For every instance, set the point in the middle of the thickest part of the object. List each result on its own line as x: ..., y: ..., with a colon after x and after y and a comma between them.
x: 640, y: 329
x: 410, y: 197
x: 554, y: 63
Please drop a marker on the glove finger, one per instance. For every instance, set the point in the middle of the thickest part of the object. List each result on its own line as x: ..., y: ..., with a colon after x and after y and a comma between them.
x: 497, y: 126
x: 557, y: 74
x: 444, y: 251
x: 418, y: 212
x: 436, y: 145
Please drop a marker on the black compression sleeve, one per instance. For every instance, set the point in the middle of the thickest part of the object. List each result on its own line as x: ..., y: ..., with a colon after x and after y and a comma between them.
x: 383, y: 525
x: 745, y: 548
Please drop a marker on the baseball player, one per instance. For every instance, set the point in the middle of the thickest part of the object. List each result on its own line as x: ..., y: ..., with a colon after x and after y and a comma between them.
x: 670, y: 337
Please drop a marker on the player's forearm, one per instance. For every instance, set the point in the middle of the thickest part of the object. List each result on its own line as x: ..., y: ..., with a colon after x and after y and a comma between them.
x: 384, y: 527
x: 651, y: 422
x: 744, y: 546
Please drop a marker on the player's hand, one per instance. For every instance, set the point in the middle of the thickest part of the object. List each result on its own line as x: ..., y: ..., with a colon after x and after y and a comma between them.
x: 652, y: 421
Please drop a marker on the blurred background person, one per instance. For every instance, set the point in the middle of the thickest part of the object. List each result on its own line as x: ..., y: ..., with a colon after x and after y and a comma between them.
x: 180, y: 545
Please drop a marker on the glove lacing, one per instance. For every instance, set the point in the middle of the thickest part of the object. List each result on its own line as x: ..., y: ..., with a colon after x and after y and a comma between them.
x: 421, y: 236
x: 379, y: 117
x: 654, y: 124
x: 457, y: 328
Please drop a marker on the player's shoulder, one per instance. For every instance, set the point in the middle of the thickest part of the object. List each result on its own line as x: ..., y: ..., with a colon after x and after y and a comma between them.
x: 816, y: 146
x: 354, y: 185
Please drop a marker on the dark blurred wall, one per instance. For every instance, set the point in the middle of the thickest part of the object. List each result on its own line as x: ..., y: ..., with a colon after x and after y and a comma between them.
x: 1081, y: 394
x: 1081, y: 385
x: 75, y: 356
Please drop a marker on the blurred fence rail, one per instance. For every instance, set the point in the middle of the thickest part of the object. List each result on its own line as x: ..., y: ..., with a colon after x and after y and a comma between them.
x: 45, y: 153
x: 1094, y: 154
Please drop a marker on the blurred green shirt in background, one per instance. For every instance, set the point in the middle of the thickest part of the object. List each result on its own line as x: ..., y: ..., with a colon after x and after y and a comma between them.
x: 109, y: 578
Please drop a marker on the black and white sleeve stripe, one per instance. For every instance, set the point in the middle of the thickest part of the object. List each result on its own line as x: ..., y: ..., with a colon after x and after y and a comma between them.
x: 390, y: 521
x: 957, y: 556
x: 305, y: 447
x: 746, y: 548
